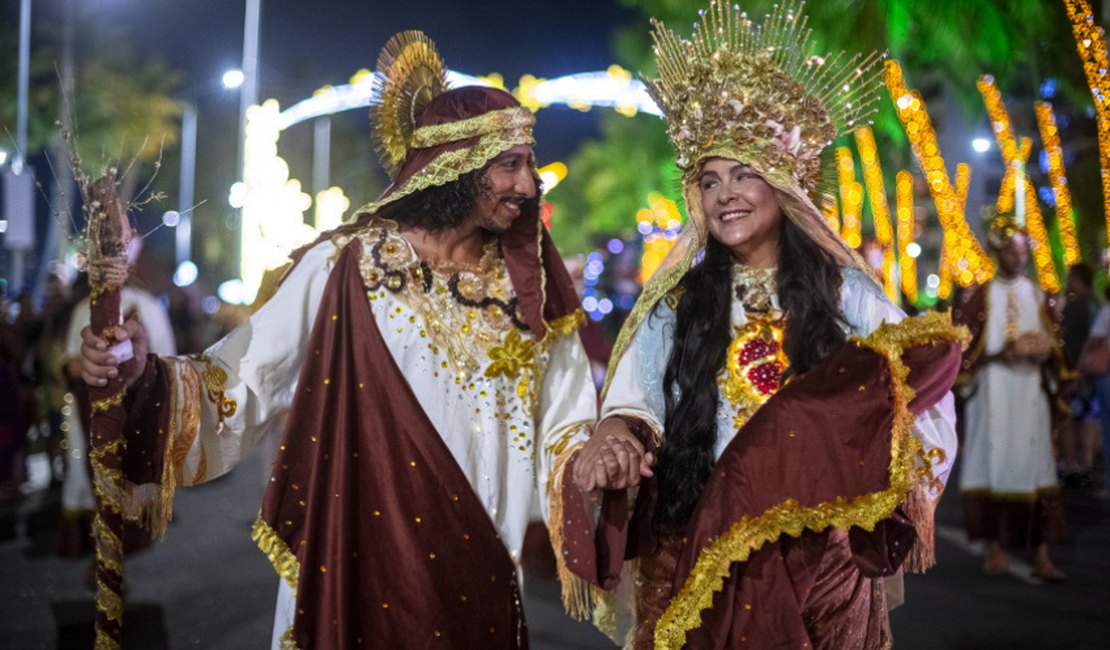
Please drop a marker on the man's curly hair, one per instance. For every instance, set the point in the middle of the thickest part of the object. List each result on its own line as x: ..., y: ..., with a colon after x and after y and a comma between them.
x: 442, y: 206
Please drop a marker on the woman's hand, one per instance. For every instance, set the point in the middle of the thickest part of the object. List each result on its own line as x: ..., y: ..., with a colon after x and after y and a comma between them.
x: 612, y: 459
x: 99, y: 363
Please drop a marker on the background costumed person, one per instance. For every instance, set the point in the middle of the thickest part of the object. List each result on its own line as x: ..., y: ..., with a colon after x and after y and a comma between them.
x: 801, y: 430
x: 425, y: 362
x: 1012, y: 377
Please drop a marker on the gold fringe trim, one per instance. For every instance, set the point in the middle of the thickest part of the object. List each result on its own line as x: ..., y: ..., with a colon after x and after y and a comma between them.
x: 565, y: 325
x: 577, y: 593
x: 789, y: 517
x: 285, y: 563
x: 920, y: 508
x: 102, y: 405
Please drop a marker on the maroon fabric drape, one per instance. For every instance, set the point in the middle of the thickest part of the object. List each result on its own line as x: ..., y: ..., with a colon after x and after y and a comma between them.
x: 395, y: 548
x: 827, y: 434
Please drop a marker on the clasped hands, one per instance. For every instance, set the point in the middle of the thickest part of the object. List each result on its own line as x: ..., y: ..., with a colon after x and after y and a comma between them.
x: 612, y: 459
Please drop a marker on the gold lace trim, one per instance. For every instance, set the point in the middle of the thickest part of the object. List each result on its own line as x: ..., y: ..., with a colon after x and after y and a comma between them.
x: 450, y: 165
x: 789, y: 517
x: 565, y: 325
x: 516, y: 118
x: 215, y: 381
x: 284, y: 561
x: 577, y: 593
x: 287, y: 642
x: 102, y: 405
x: 105, y: 642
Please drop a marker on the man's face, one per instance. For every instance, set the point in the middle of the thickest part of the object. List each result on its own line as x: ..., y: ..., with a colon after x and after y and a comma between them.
x: 1013, y: 255
x: 508, y: 184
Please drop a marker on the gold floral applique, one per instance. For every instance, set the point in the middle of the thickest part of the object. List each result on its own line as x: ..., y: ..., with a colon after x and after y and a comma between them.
x: 515, y: 356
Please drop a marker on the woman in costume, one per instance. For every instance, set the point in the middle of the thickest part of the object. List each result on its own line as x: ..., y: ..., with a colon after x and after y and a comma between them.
x: 790, y: 478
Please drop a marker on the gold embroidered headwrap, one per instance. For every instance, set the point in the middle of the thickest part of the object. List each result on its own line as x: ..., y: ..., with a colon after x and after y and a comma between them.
x: 427, y: 135
x: 758, y: 94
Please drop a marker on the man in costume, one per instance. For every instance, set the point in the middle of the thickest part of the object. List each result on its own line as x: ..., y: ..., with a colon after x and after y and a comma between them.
x: 426, y: 361
x: 801, y: 430
x: 1011, y: 377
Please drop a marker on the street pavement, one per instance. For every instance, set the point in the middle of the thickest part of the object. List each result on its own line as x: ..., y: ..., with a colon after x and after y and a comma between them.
x: 207, y: 585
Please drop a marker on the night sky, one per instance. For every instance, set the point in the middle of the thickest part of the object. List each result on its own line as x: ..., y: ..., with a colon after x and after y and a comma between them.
x: 307, y: 44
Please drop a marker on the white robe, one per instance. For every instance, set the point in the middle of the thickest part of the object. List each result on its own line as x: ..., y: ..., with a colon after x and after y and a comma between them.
x: 1008, y: 445
x: 502, y: 448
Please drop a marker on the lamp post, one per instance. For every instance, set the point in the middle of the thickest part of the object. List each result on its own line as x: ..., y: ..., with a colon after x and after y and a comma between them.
x: 183, y: 220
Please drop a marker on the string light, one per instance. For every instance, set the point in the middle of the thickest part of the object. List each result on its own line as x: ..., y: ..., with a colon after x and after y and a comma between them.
x: 273, y: 204
x: 903, y: 192
x: 851, y: 197
x: 949, y: 243
x: 330, y: 206
x: 1015, y: 161
x: 1090, y: 40
x: 880, y: 211
x: 944, y: 269
x: 972, y: 261
x: 1065, y: 219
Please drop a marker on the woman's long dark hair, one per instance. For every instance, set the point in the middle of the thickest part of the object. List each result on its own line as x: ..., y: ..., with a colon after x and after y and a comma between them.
x: 808, y: 281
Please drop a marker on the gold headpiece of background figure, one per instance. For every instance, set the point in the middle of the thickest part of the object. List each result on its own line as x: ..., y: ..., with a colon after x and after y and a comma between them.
x: 410, y: 74
x: 1002, y: 226
x: 759, y: 93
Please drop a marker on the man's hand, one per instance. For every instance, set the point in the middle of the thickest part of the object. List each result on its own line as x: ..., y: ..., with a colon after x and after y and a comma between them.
x: 612, y: 459
x: 99, y: 364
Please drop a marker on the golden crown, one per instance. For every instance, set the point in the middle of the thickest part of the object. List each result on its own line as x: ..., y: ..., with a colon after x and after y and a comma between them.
x: 1003, y: 226
x: 758, y: 92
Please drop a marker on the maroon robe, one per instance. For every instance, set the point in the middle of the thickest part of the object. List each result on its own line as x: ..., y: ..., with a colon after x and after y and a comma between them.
x: 828, y: 437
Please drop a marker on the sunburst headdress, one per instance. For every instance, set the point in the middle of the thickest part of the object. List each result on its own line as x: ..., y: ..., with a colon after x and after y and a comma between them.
x: 427, y: 135
x: 760, y: 94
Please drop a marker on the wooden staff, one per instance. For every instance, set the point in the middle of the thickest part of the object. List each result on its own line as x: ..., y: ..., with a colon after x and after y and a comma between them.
x: 107, y: 237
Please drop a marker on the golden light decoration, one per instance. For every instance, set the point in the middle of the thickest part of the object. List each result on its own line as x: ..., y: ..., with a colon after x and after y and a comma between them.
x: 973, y: 262
x: 1015, y: 161
x: 330, y: 206
x: 851, y: 198
x: 658, y: 223
x: 552, y: 174
x: 945, y: 271
x: 273, y: 204
x: 880, y: 211
x: 903, y: 193
x: 1065, y: 218
x: 944, y: 268
x: 1090, y: 40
